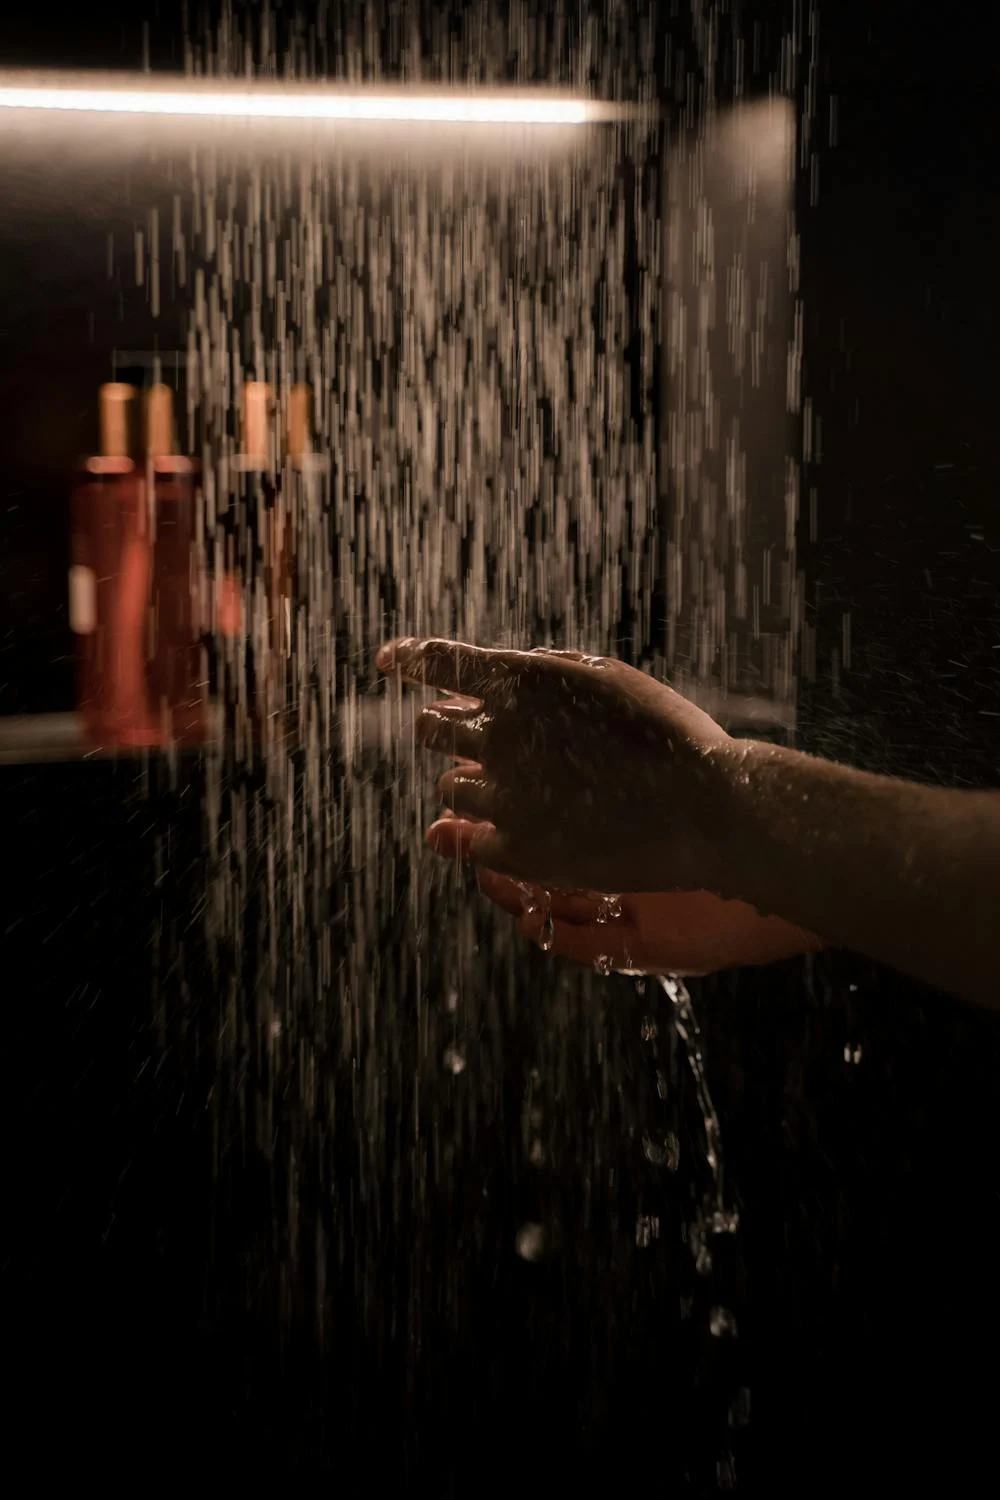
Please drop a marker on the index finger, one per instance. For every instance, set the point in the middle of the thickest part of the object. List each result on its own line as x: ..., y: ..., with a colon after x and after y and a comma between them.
x: 451, y: 665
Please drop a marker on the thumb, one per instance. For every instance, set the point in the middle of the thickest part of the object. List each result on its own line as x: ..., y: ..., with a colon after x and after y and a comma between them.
x: 465, y: 839
x: 488, y: 847
x: 461, y: 839
x: 450, y: 837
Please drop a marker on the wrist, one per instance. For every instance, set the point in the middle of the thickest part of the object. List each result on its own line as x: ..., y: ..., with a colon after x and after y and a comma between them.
x: 736, y: 818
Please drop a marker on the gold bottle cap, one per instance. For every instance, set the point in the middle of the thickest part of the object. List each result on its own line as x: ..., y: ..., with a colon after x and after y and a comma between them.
x: 115, y: 405
x: 298, y: 420
x: 257, y: 397
x: 159, y: 421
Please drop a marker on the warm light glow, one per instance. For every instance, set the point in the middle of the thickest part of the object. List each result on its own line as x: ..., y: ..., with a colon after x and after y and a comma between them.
x: 310, y: 103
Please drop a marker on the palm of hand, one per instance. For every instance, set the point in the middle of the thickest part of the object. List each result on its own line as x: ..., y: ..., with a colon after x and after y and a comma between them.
x: 675, y: 932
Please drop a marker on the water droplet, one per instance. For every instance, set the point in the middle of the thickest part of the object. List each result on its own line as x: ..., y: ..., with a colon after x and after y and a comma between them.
x: 454, y: 1061
x: 640, y: 985
x: 665, y: 1153
x: 527, y: 894
x: 530, y: 1242
x: 724, y: 1221
x: 649, y: 1029
x: 536, y: 1155
x: 603, y: 964
x: 275, y: 1029
x: 661, y: 1083
x: 721, y: 1323
x: 647, y: 1229
x: 452, y: 1001
x: 725, y: 1472
x: 547, y: 936
x: 739, y: 1412
x: 703, y: 1261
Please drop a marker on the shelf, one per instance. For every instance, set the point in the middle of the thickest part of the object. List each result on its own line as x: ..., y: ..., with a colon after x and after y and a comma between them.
x: 39, y: 739
x: 33, y: 739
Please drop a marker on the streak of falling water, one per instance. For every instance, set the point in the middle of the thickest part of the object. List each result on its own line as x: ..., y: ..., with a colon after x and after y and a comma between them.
x: 721, y: 1220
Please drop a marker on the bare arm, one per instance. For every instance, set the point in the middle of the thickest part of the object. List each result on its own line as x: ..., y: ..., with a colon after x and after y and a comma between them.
x: 908, y: 875
x: 580, y: 773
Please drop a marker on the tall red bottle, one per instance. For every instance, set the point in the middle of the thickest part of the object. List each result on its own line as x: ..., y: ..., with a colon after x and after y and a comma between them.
x: 177, y: 675
x: 109, y: 584
x: 242, y: 579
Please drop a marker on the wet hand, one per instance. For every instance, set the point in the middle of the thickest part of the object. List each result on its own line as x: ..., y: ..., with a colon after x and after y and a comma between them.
x: 664, y: 932
x: 661, y: 932
x: 580, y: 772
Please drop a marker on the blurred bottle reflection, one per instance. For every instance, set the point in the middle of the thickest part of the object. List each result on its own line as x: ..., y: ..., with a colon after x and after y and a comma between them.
x: 242, y: 614
x: 255, y: 592
x: 170, y: 650
x: 109, y: 584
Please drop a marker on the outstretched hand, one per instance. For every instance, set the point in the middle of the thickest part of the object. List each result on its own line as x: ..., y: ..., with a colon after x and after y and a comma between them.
x: 579, y: 772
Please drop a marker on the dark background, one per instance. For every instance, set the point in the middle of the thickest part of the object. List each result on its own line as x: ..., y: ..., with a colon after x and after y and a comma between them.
x: 869, y: 1192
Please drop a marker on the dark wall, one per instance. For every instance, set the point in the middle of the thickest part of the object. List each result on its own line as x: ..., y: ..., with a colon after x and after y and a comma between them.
x: 902, y: 323
x: 902, y: 319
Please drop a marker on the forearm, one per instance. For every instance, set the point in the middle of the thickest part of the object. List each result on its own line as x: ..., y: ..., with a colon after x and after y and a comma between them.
x: 908, y: 875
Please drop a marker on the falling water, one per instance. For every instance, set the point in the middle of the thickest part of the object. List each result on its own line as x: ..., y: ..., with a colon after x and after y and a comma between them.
x: 488, y: 330
x: 467, y: 323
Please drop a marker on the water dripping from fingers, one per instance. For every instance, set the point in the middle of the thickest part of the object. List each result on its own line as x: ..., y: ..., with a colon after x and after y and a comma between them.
x: 609, y: 909
x: 721, y: 1219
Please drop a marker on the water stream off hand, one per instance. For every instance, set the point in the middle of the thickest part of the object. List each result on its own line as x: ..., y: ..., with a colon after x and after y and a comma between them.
x: 523, y: 364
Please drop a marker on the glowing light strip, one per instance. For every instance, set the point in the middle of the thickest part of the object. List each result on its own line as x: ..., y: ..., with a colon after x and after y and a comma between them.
x: 401, y: 108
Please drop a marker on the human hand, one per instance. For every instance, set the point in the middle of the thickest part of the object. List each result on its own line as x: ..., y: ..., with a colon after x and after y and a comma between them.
x: 662, y: 932
x: 580, y: 772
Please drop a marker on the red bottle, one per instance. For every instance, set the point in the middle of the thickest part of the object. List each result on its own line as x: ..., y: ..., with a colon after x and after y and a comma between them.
x: 257, y: 556
x: 109, y: 584
x: 177, y: 675
x: 253, y: 590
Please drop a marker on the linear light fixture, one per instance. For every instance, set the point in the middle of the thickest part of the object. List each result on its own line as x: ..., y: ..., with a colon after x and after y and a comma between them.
x: 219, y: 99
